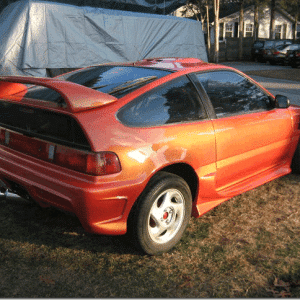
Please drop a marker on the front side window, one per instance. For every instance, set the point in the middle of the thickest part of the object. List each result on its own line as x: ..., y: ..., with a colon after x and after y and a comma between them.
x: 174, y: 102
x: 231, y: 93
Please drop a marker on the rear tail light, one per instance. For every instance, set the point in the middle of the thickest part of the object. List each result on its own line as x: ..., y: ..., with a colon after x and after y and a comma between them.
x: 2, y: 136
x: 91, y: 163
x: 298, y: 54
x: 276, y: 52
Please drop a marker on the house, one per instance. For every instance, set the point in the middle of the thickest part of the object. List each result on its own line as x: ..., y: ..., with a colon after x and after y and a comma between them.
x: 229, y: 22
x: 284, y: 24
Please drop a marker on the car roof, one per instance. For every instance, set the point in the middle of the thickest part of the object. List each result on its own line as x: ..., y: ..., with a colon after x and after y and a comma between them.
x: 171, y: 63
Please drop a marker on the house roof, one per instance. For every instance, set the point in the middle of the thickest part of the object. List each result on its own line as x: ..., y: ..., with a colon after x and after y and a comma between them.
x: 235, y: 13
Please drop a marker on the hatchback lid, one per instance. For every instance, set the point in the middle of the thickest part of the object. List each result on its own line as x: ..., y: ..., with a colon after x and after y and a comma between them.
x: 72, y: 96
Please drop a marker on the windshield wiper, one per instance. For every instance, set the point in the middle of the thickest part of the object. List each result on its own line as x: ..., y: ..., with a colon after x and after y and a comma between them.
x: 99, y: 86
x: 131, y: 84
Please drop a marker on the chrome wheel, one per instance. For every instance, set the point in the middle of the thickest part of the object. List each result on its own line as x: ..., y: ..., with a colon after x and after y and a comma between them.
x: 166, y: 216
x: 161, y: 214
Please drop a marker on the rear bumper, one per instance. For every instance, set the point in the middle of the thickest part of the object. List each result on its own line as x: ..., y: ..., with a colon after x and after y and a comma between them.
x: 102, y: 206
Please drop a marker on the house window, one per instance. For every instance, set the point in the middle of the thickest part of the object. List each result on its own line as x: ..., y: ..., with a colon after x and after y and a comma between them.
x: 284, y: 31
x: 249, y: 30
x: 221, y: 31
x: 277, y: 32
x: 228, y: 30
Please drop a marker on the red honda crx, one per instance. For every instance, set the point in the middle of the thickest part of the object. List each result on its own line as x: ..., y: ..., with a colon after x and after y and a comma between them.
x: 141, y: 147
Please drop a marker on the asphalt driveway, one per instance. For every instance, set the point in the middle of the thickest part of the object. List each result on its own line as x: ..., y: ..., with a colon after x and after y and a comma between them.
x: 282, y: 80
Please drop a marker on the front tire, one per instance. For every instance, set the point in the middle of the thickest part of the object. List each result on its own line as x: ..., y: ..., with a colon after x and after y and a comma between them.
x: 162, y: 213
x: 293, y: 65
x: 296, y: 161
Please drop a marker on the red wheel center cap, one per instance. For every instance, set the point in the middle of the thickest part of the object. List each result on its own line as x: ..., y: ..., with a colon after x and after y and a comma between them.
x: 165, y: 216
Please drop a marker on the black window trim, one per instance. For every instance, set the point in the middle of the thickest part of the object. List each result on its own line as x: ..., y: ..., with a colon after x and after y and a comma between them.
x: 203, y: 95
x: 209, y: 103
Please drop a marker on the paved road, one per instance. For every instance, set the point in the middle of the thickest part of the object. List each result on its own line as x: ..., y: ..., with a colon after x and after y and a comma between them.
x: 288, y: 88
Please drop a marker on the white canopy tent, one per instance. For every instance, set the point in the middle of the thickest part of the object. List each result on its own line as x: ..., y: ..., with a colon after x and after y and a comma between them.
x: 39, y: 35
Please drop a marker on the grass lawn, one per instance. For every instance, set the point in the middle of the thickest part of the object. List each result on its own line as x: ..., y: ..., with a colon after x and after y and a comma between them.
x: 248, y: 246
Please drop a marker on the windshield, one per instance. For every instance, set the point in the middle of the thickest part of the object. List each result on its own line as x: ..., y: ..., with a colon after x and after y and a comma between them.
x: 114, y: 80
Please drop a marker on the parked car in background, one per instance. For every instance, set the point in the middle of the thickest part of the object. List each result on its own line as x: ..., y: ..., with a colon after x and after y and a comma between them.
x: 261, y: 48
x: 141, y: 147
x: 293, y: 58
x: 279, y: 55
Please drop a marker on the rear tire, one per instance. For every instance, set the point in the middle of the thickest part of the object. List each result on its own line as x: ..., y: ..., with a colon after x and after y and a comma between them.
x: 296, y: 161
x: 162, y: 214
x: 293, y: 65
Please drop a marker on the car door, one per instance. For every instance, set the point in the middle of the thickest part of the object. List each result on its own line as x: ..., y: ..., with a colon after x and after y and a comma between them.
x: 173, y: 120
x: 251, y: 136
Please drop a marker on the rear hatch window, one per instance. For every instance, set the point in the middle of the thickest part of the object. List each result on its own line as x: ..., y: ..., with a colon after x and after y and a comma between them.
x: 117, y: 81
x: 43, y: 124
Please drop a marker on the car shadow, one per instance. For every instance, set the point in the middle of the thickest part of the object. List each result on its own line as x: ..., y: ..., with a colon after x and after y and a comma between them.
x: 25, y: 221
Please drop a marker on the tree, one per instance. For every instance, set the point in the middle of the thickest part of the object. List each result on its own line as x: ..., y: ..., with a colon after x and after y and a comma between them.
x: 207, y: 27
x: 256, y: 24
x: 192, y: 8
x: 216, y: 15
x: 272, y: 19
x: 241, y: 29
x: 200, y: 7
x: 292, y: 7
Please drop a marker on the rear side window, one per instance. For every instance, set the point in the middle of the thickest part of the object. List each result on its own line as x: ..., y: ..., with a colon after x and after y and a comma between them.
x: 174, y: 102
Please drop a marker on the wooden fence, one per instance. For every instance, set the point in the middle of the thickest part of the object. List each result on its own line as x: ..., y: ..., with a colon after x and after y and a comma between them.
x: 229, y: 49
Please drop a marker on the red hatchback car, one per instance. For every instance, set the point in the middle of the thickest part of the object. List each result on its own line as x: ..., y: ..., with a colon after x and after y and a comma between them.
x: 140, y: 147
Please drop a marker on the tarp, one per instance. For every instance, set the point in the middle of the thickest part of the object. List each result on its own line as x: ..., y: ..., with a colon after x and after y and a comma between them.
x: 147, y: 6
x: 39, y: 35
x: 154, y: 6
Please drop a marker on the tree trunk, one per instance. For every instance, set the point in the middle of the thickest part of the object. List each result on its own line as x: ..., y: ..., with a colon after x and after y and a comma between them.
x: 216, y: 12
x: 296, y: 22
x: 272, y: 20
x: 295, y: 29
x: 208, y: 30
x: 241, y: 29
x: 256, y: 24
x: 202, y: 20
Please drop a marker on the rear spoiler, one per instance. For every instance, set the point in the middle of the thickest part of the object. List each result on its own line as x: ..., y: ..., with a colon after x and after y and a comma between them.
x: 77, y: 97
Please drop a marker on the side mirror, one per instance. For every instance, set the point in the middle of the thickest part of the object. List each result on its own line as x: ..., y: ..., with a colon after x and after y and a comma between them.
x: 282, y: 101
